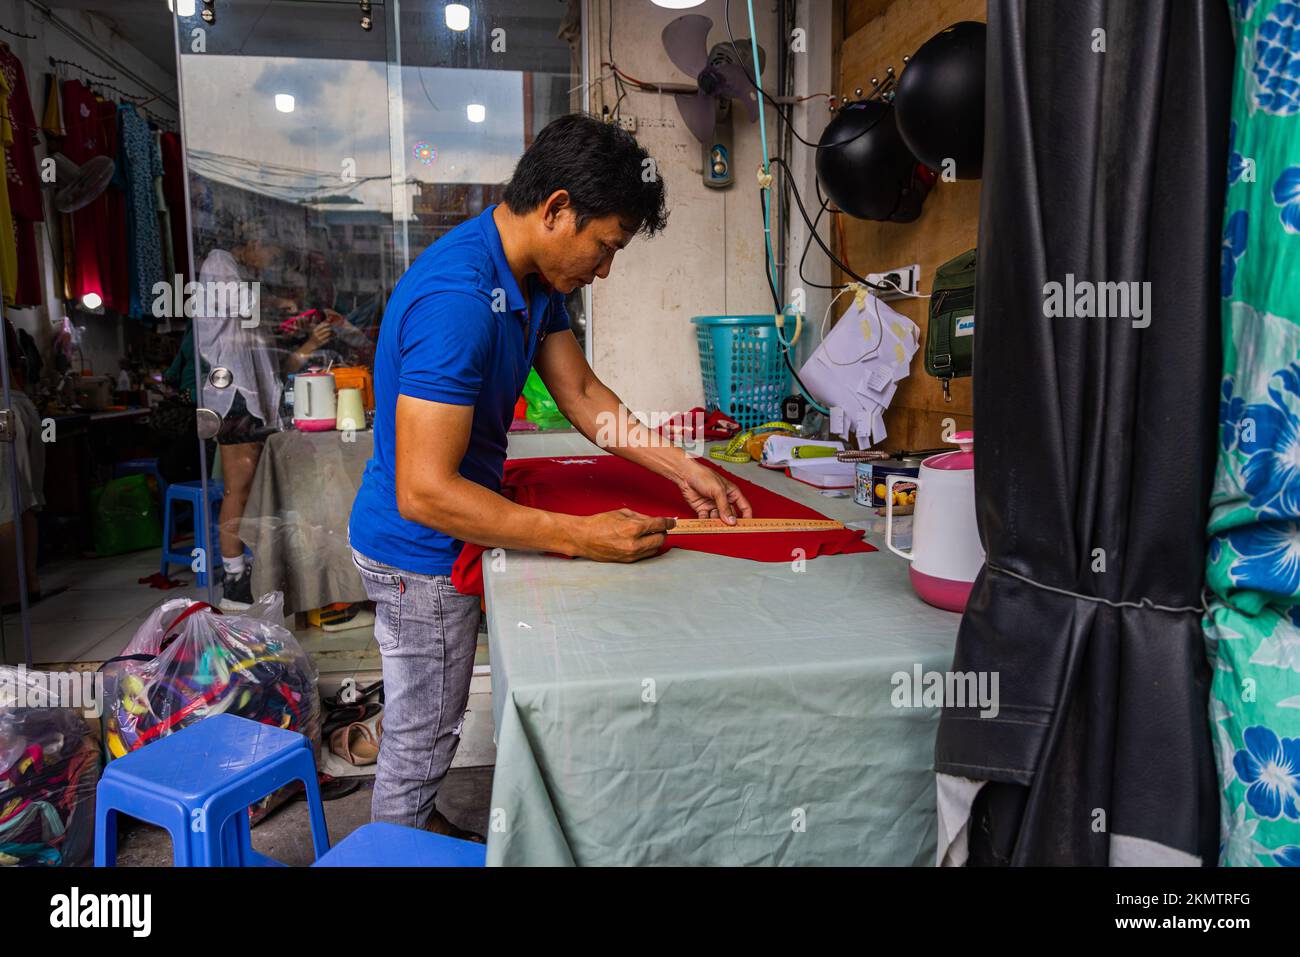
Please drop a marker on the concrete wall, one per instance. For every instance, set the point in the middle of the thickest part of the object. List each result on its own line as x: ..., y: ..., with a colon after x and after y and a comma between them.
x: 710, y: 258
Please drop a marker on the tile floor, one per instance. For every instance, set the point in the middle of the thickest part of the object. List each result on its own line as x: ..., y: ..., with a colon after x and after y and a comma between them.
x: 105, y: 604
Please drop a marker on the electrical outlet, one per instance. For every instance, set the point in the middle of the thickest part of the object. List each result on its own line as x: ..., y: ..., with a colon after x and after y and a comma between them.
x: 628, y: 123
x: 907, y: 280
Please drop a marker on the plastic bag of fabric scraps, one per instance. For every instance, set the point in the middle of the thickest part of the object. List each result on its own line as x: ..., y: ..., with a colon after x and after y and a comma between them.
x: 49, y: 766
x: 188, y: 661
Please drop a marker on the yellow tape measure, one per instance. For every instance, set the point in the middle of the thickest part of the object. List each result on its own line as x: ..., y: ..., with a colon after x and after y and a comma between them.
x: 712, y: 526
x: 734, y: 451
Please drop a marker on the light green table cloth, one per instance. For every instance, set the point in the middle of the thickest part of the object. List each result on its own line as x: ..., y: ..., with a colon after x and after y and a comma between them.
x: 702, y: 710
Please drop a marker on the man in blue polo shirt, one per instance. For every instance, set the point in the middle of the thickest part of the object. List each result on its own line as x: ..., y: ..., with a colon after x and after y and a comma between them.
x: 466, y: 322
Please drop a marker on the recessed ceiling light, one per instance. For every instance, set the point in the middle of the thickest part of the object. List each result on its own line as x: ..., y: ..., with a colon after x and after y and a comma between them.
x: 457, y: 15
x: 284, y: 102
x: 677, y: 4
x: 476, y: 112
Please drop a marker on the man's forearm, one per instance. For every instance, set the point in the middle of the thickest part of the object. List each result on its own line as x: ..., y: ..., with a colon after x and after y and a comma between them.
x: 602, y: 417
x: 468, y: 511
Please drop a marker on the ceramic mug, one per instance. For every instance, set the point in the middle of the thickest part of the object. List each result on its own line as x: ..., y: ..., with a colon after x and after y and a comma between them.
x: 351, y: 412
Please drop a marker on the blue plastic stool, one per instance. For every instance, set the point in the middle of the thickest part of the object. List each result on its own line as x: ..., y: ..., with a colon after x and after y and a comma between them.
x: 192, y: 493
x: 198, y: 784
x: 141, y: 467
x: 391, y: 845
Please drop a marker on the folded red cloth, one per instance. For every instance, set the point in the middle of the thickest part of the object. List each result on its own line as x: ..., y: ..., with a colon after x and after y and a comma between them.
x: 683, y: 426
x: 602, y: 483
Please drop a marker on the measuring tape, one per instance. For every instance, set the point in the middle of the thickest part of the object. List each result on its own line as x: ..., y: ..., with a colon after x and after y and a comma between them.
x: 713, y: 526
x: 734, y: 451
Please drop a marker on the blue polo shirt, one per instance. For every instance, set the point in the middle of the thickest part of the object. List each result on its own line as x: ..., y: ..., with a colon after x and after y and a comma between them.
x: 457, y: 329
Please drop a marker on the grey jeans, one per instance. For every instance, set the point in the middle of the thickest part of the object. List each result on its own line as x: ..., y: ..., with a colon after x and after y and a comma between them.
x: 426, y: 632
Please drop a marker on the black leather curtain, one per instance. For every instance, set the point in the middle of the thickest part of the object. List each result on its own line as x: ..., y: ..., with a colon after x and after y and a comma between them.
x: 1095, y: 436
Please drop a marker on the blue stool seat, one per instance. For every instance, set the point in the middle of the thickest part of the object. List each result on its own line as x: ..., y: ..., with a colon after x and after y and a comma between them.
x: 198, y: 785
x: 391, y: 845
x: 140, y: 467
x: 192, y: 494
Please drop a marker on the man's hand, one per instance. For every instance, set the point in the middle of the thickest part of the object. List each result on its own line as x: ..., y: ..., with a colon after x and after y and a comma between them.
x: 711, y: 494
x: 620, y: 536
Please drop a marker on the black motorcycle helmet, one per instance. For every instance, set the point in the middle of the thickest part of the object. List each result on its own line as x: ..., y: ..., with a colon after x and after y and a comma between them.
x: 939, y: 100
x: 865, y: 167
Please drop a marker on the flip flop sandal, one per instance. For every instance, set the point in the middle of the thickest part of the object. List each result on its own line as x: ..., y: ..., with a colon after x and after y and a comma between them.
x: 355, y: 744
x: 347, y: 714
x: 362, y: 694
x: 331, y: 788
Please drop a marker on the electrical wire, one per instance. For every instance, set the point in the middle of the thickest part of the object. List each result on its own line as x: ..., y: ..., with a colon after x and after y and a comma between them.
x: 726, y: 16
x: 794, y: 191
x: 807, y: 245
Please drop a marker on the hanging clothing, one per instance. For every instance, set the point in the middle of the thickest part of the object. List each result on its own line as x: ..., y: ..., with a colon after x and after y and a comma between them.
x: 1253, y: 626
x: 52, y: 115
x: 160, y: 207
x: 24, y: 184
x: 138, y: 164
x: 177, y: 211
x: 1096, y: 442
x: 116, y: 256
x: 586, y: 485
x: 89, y: 239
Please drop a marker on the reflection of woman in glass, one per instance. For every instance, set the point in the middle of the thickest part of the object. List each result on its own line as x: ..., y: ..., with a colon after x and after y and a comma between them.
x: 232, y: 335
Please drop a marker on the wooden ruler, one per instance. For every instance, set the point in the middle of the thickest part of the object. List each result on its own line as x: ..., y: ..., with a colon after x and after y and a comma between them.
x: 714, y: 526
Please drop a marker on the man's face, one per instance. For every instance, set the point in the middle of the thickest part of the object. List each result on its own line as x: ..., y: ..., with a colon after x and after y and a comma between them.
x: 570, y: 257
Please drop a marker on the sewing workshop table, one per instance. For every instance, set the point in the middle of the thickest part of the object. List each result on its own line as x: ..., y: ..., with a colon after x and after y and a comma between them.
x: 702, y: 710
x: 296, y: 519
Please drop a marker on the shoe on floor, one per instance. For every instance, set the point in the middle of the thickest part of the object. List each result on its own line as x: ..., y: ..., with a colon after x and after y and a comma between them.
x: 438, y: 824
x: 237, y: 591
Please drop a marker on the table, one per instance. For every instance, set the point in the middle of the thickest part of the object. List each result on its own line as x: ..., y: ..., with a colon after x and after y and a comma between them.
x: 700, y: 710
x: 296, y: 519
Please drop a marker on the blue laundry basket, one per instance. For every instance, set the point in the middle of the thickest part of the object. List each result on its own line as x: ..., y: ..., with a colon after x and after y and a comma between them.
x: 744, y: 373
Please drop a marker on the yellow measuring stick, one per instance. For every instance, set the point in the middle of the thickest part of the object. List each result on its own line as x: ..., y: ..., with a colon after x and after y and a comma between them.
x: 712, y: 526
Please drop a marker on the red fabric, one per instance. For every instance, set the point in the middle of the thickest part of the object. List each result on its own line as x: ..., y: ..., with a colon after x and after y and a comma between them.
x: 24, y: 184
x: 716, y: 425
x: 114, y: 256
x: 602, y: 483
x: 84, y: 139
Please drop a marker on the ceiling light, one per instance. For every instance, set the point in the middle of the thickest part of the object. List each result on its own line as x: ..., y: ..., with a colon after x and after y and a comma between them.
x: 457, y: 15
x: 284, y: 102
x: 677, y: 4
x: 476, y: 112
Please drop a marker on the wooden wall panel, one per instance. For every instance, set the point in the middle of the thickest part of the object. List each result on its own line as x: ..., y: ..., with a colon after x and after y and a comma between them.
x: 948, y: 224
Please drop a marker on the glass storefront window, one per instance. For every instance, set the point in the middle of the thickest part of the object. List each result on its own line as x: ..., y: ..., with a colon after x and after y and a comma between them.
x: 323, y: 158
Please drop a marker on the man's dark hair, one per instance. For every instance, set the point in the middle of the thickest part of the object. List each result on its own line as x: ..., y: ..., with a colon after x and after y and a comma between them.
x: 603, y: 167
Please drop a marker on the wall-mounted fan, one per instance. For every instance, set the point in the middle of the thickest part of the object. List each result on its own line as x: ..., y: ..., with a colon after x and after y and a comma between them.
x: 80, y: 186
x: 720, y: 76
